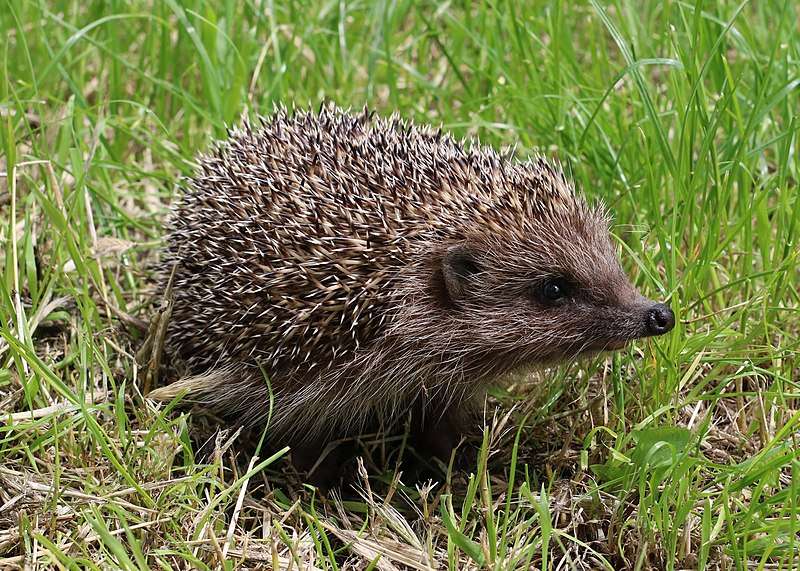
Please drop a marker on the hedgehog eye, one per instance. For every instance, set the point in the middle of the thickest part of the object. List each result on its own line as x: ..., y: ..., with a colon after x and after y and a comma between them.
x: 554, y: 290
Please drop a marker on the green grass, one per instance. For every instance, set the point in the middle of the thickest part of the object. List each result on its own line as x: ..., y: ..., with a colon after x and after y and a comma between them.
x: 682, y: 116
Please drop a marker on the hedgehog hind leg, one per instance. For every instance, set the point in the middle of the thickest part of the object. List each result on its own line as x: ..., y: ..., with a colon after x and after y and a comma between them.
x: 321, y: 462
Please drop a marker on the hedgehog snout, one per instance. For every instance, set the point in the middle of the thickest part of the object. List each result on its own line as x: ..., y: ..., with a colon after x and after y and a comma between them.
x: 659, y: 319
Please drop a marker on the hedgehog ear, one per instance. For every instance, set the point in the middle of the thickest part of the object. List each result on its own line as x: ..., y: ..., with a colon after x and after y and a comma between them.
x: 458, y: 265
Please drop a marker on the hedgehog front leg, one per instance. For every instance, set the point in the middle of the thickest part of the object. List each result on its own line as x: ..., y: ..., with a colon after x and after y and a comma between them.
x: 436, y: 434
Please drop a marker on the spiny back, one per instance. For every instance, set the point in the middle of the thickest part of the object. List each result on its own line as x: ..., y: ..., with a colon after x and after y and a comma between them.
x: 293, y: 238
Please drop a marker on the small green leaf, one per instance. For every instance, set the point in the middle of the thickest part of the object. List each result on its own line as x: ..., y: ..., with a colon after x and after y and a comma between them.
x: 659, y: 447
x: 471, y: 548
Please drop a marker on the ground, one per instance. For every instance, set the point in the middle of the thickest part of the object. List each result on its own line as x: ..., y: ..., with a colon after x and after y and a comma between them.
x: 678, y: 453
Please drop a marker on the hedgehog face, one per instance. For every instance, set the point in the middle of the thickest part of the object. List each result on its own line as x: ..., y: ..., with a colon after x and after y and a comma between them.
x: 557, y: 293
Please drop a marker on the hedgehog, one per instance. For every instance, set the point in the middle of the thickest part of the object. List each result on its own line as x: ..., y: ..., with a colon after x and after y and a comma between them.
x: 334, y: 271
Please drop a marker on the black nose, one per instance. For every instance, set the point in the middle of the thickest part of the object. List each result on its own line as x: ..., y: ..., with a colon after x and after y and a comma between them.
x: 660, y: 319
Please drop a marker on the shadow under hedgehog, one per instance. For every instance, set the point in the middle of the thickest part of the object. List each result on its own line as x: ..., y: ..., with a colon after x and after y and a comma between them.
x: 374, y: 268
